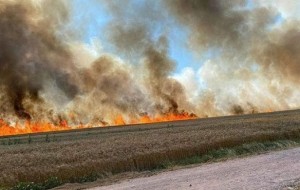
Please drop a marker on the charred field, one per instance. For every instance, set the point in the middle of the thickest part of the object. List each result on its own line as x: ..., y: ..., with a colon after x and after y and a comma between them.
x: 88, y: 154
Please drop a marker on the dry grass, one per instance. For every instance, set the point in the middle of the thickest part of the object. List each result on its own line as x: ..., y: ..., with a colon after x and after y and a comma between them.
x: 85, y: 155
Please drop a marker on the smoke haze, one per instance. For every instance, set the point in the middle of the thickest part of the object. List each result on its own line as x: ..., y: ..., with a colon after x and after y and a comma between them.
x: 47, y: 74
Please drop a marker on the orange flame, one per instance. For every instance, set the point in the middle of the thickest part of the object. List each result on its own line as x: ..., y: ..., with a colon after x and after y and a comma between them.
x: 36, y: 127
x: 32, y: 127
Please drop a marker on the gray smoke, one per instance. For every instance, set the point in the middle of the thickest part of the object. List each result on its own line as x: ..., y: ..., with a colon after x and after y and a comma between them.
x: 255, y: 59
x: 131, y: 32
x: 256, y: 67
x: 32, y: 54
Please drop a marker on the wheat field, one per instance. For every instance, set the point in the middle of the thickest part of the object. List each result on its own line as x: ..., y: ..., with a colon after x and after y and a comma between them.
x: 72, y: 155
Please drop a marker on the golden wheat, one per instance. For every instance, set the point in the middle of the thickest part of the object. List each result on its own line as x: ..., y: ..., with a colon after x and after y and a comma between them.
x: 71, y: 155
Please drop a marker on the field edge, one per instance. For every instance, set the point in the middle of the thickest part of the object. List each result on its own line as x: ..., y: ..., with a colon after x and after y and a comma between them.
x: 215, y: 155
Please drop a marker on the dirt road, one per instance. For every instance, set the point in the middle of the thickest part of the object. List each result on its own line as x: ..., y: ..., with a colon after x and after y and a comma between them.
x: 275, y: 170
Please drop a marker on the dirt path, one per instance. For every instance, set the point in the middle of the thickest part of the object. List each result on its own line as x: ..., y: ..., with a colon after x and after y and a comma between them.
x: 274, y: 170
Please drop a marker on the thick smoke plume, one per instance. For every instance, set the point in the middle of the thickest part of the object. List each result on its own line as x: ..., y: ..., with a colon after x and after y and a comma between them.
x: 41, y: 80
x: 131, y: 34
x: 47, y: 75
x: 258, y: 64
x: 31, y: 54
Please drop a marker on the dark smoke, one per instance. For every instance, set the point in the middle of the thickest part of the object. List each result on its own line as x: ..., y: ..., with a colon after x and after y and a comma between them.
x: 159, y: 67
x: 282, y: 55
x: 30, y: 54
x: 131, y: 33
x: 213, y: 22
x: 237, y: 110
x: 113, y: 85
x: 216, y: 23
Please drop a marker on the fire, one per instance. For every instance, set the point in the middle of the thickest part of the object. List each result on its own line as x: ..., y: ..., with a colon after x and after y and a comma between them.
x: 269, y: 110
x: 120, y: 120
x: 28, y: 127
x: 32, y: 127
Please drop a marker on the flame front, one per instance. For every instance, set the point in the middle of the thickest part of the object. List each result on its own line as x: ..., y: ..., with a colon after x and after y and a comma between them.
x: 28, y: 127
x: 33, y: 127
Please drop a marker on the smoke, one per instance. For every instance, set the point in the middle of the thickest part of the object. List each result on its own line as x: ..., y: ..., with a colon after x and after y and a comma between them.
x: 222, y: 24
x: 131, y: 32
x: 159, y: 67
x: 108, y: 90
x: 281, y: 53
x: 31, y: 53
x: 46, y: 73
x: 257, y: 63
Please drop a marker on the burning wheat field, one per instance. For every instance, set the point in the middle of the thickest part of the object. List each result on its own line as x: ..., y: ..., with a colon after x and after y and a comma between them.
x: 53, y: 78
x: 83, y: 66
